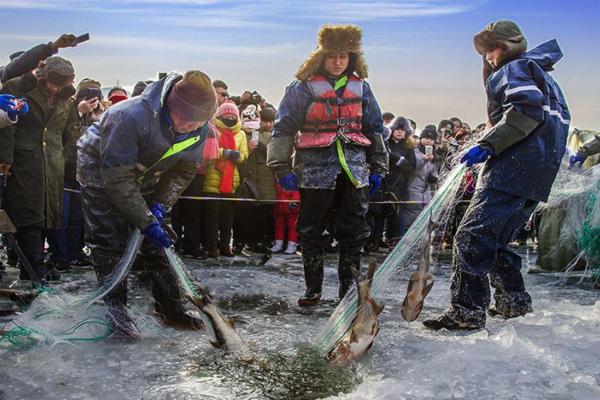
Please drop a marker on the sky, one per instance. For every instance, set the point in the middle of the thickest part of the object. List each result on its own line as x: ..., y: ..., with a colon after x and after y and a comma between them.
x: 420, y: 53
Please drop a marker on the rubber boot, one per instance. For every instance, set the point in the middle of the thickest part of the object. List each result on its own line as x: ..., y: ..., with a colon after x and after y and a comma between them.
x: 225, y: 251
x: 213, y: 250
x: 470, y: 297
x: 277, y: 247
x: 348, y: 265
x: 169, y: 303
x: 312, y: 258
x: 122, y: 325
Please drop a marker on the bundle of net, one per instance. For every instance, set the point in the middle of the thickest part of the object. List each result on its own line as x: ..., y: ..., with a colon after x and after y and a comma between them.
x: 574, y: 194
x: 407, y: 251
x: 56, y: 316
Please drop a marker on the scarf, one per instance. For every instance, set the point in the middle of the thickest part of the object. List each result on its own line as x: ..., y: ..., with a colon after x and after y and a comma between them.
x: 224, y: 165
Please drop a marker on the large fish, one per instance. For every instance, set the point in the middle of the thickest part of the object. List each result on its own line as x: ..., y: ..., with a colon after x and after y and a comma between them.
x: 221, y: 329
x: 365, y: 326
x: 421, y: 281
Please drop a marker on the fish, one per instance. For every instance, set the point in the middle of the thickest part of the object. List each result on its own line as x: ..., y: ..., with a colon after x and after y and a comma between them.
x: 420, y: 282
x: 365, y: 325
x: 221, y: 329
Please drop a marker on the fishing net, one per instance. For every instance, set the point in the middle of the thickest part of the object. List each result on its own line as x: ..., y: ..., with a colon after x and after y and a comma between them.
x: 402, y: 256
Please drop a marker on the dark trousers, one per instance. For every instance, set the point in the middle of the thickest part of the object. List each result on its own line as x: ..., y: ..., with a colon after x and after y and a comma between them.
x: 218, y: 220
x: 66, y: 244
x: 187, y: 218
x: 481, y: 248
x: 345, y: 207
x: 394, y: 227
x: 31, y: 242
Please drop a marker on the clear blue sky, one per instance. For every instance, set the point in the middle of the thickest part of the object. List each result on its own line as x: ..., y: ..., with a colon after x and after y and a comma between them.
x: 420, y: 53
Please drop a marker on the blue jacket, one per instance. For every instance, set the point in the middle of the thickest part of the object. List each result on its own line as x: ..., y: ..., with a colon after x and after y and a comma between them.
x: 121, y: 154
x: 528, y: 167
x: 318, y: 168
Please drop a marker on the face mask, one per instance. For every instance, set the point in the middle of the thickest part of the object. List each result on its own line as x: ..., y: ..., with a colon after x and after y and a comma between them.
x: 228, y: 122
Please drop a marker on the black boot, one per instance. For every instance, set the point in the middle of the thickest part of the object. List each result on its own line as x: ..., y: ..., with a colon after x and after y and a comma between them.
x: 348, y: 265
x: 169, y: 303
x: 511, y: 305
x: 470, y: 297
x: 122, y: 325
x: 312, y: 259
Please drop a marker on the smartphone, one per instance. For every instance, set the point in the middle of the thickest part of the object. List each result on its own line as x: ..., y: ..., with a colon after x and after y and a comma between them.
x: 82, y: 38
x: 428, y: 150
x: 255, y: 136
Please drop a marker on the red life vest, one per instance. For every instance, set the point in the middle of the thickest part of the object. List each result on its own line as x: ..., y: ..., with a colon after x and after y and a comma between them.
x: 330, y: 117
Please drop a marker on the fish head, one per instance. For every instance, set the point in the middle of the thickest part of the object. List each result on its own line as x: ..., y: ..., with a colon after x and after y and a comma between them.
x: 340, y: 355
x: 418, y: 289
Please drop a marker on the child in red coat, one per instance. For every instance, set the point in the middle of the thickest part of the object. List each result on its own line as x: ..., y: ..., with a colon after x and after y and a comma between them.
x: 286, y: 215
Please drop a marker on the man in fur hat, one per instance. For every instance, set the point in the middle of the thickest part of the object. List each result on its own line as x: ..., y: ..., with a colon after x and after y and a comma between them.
x: 522, y: 150
x: 132, y: 167
x: 329, y: 117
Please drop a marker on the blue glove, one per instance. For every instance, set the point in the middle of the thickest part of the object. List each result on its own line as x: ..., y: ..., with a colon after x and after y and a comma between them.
x: 374, y: 183
x: 476, y: 155
x: 576, y: 158
x: 231, y: 154
x: 11, y: 109
x: 158, y: 210
x: 289, y: 182
x: 157, y: 235
x: 7, y: 102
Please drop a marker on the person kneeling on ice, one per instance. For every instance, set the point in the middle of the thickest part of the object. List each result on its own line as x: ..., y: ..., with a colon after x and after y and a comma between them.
x: 132, y: 167
x: 522, y: 151
x: 330, y: 118
x: 285, y: 215
x: 587, y: 149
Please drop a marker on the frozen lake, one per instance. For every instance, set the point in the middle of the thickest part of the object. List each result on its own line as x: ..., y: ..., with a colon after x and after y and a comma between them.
x: 552, y: 353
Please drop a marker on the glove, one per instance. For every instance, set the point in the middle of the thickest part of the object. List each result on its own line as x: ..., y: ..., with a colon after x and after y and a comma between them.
x: 476, y: 155
x: 158, y: 210
x: 231, y: 154
x: 289, y: 182
x: 374, y: 183
x: 157, y: 235
x: 21, y: 107
x: 576, y: 158
x: 7, y: 102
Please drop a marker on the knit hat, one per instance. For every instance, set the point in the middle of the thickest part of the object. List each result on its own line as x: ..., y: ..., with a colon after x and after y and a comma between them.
x: 401, y: 123
x: 193, y: 98
x: 58, y: 71
x: 228, y: 110
x: 88, y: 83
x: 267, y: 114
x: 501, y: 33
x: 340, y: 38
x: 429, y: 132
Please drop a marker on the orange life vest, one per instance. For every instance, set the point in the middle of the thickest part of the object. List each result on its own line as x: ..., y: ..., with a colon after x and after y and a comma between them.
x: 330, y: 117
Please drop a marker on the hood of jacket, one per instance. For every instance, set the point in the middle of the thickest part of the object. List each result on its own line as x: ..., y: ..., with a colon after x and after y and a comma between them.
x: 545, y: 55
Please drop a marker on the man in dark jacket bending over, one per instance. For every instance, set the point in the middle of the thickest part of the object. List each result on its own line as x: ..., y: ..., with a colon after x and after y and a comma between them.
x: 522, y: 150
x: 132, y: 168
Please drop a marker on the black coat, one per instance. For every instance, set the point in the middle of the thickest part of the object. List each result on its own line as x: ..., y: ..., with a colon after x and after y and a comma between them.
x: 402, y: 165
x: 26, y: 62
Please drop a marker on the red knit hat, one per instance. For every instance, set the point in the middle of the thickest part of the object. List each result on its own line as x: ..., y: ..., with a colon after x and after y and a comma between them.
x: 228, y: 110
x: 193, y: 98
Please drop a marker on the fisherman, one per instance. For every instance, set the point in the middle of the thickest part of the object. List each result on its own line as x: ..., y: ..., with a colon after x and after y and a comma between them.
x: 589, y: 148
x: 132, y: 168
x: 522, y: 151
x: 330, y: 118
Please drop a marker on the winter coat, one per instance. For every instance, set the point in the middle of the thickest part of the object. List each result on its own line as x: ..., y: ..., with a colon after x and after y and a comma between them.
x: 26, y: 62
x: 256, y: 168
x: 212, y: 179
x: 402, y: 165
x: 530, y: 119
x: 318, y: 168
x: 34, y: 148
x: 121, y: 154
x: 420, y: 186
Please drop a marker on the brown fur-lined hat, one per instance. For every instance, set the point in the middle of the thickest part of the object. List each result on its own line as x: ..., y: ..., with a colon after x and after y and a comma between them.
x: 340, y: 38
x: 501, y: 33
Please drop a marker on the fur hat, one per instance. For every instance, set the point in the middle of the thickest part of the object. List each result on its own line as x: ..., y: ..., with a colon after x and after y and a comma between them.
x: 58, y: 71
x: 502, y: 33
x: 193, y: 97
x: 401, y: 123
x: 340, y: 38
x: 429, y: 132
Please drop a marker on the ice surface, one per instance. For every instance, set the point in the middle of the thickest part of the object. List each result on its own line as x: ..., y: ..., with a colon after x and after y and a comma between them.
x: 551, y: 353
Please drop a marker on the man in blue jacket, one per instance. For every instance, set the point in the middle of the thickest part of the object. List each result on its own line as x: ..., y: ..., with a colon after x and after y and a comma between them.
x: 522, y: 150
x: 329, y: 117
x: 132, y: 167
